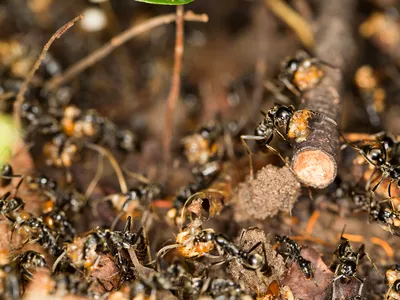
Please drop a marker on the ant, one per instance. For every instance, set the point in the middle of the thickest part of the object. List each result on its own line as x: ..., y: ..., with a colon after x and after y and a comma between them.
x: 10, y: 205
x: 217, y: 288
x: 9, y: 280
x: 134, y: 199
x: 387, y: 218
x: 204, y: 176
x: 347, y: 261
x: 302, y: 72
x: 27, y: 262
x: 293, y: 122
x: 98, y: 129
x: 83, y: 252
x: 379, y: 155
x: 249, y: 260
x: 210, y: 141
x: 38, y: 232
x: 373, y: 95
x: 293, y: 253
x: 393, y: 278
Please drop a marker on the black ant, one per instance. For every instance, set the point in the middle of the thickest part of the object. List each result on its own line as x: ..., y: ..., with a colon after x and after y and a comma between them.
x: 203, y: 178
x: 27, y: 262
x: 346, y: 262
x: 211, y: 141
x: 95, y: 128
x: 217, y: 288
x: 393, y: 278
x: 139, y: 198
x: 37, y: 231
x: 379, y: 156
x: 9, y: 280
x: 302, y: 72
x: 10, y: 205
x: 293, y: 253
x: 293, y: 122
x: 83, y: 252
x: 248, y: 259
x: 388, y: 218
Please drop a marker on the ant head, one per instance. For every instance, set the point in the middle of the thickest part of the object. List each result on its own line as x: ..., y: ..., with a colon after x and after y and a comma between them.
x: 284, y: 113
x: 375, y: 155
x: 255, y: 261
x: 126, y: 140
x: 290, y: 66
x: 395, y: 173
x: 37, y: 260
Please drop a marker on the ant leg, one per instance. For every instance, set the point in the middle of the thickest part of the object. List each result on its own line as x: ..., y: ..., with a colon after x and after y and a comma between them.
x: 276, y: 92
x: 113, y: 162
x: 254, y: 247
x: 276, y: 152
x: 243, y: 138
x: 128, y: 224
x: 117, y: 218
x: 137, y: 176
x: 373, y: 263
x: 96, y: 178
x: 322, y: 62
x: 57, y: 261
x: 370, y: 180
x: 291, y: 87
x: 19, y: 184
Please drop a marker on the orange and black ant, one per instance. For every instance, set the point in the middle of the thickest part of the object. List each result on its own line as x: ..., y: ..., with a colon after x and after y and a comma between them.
x: 294, y: 124
x: 302, y: 72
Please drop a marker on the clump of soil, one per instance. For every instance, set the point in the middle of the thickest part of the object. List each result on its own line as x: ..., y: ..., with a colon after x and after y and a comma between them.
x: 274, y: 189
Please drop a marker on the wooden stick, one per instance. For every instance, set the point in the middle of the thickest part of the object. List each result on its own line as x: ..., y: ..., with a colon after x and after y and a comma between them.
x: 20, y: 96
x: 315, y: 160
x: 114, y: 43
x: 173, y: 96
x: 292, y: 19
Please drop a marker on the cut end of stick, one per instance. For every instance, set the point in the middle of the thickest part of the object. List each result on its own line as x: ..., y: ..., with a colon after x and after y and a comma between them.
x: 314, y: 168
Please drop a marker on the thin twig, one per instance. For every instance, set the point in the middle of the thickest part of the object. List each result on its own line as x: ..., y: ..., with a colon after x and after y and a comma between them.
x: 173, y: 96
x: 315, y: 160
x: 28, y: 78
x: 114, y: 43
x: 296, y: 22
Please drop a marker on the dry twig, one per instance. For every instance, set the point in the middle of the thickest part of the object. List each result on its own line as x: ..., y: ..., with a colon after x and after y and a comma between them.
x: 28, y: 78
x: 173, y: 96
x: 315, y: 160
x: 115, y: 42
x: 296, y: 22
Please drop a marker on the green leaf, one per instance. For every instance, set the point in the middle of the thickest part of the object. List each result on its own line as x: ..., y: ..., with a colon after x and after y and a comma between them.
x: 166, y: 2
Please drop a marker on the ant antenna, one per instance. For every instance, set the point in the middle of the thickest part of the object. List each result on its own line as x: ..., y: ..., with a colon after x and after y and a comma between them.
x: 96, y: 178
x: 113, y: 162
